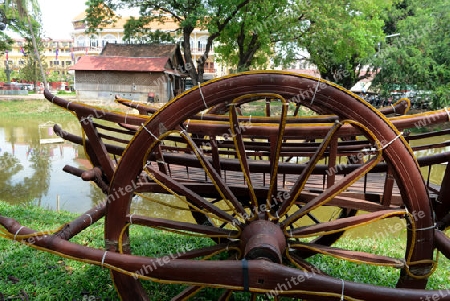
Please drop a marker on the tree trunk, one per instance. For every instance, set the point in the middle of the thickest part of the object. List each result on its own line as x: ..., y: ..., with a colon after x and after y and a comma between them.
x: 246, y: 54
x: 189, y: 63
x: 36, y: 52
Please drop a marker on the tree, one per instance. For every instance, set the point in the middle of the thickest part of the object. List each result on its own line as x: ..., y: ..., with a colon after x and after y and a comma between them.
x: 10, y: 17
x: 336, y: 36
x: 22, y: 15
x: 418, y: 58
x: 340, y: 36
x: 213, y: 15
x: 31, y: 71
x: 249, y: 40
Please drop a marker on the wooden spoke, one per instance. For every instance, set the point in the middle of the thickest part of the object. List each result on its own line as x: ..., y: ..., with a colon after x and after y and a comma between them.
x: 193, y: 198
x: 341, y: 224
x: 236, y: 131
x: 275, y: 158
x: 217, y: 180
x: 332, y: 191
x: 182, y: 227
x: 353, y: 256
x: 301, y: 181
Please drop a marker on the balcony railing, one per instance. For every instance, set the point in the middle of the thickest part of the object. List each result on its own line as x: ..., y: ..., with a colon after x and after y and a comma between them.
x: 85, y: 48
x: 201, y: 50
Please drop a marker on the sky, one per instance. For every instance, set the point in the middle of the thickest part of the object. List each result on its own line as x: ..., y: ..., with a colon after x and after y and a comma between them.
x: 57, y: 16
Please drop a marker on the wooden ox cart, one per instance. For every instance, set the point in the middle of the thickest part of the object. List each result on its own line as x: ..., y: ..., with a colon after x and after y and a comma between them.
x: 256, y: 187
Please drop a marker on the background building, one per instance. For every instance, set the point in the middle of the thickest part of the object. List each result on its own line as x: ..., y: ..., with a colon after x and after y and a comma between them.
x: 132, y: 71
x: 57, y: 55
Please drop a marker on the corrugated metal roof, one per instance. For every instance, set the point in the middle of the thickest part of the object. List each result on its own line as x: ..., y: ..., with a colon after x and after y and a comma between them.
x: 118, y: 63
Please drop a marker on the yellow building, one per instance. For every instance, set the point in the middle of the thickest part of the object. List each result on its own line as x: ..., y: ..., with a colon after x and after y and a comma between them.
x: 57, y: 55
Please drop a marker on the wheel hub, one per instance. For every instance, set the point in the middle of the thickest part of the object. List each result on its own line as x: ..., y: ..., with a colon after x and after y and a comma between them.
x: 263, y: 240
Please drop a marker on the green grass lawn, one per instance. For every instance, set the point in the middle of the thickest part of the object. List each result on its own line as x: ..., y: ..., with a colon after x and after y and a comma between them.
x: 30, y: 109
x: 43, y: 276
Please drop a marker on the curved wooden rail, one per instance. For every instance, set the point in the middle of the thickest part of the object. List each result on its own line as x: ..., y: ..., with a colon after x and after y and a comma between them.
x: 401, y: 107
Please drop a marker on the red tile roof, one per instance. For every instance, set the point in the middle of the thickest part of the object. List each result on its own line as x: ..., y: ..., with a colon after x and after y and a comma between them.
x: 118, y: 63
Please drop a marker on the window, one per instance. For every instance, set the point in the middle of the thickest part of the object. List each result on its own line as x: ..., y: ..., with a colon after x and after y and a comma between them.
x: 93, y: 41
x: 201, y: 45
x: 109, y: 38
x: 81, y: 42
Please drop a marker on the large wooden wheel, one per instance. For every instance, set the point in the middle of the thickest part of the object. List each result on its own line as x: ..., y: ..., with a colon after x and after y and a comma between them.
x: 248, y: 224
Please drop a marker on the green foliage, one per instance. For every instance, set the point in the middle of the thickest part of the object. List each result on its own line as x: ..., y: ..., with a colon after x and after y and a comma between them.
x: 442, y: 96
x: 137, y: 30
x: 341, y: 35
x: 5, y: 42
x: 15, y: 14
x: 419, y: 57
x: 99, y: 14
x: 31, y: 70
x: 248, y: 41
x: 23, y: 17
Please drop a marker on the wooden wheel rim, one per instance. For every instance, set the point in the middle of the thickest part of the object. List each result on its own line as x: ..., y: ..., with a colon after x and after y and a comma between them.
x: 341, y: 102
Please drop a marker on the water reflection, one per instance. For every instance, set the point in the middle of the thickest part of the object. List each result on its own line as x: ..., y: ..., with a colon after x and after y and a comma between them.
x: 437, y: 171
x: 31, y: 161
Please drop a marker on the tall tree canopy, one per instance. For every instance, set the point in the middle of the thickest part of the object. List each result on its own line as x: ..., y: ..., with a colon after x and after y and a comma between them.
x: 14, y: 15
x: 339, y: 36
x: 249, y: 40
x: 419, y: 57
x: 345, y: 39
x: 22, y: 17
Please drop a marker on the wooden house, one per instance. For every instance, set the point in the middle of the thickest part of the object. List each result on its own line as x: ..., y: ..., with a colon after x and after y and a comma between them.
x: 133, y: 71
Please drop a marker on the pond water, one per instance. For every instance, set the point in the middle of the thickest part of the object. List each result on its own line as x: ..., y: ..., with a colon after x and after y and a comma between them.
x: 31, y: 166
